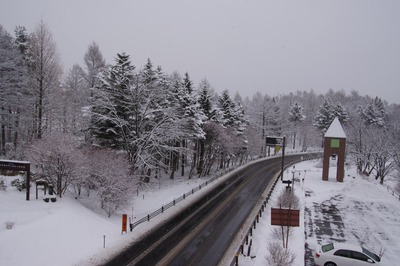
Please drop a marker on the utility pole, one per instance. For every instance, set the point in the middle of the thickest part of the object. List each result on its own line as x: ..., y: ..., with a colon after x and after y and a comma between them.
x: 283, y: 156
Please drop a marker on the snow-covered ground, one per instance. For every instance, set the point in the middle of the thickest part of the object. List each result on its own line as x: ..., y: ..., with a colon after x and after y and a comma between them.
x: 359, y: 211
x: 68, y: 233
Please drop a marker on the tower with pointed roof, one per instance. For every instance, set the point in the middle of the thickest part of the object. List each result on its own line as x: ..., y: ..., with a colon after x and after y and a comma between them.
x: 334, y: 146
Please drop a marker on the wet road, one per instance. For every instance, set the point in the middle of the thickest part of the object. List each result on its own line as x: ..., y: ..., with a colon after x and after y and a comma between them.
x: 201, y: 233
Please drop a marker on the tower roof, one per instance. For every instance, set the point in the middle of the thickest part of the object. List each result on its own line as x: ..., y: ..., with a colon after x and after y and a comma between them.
x: 335, y: 130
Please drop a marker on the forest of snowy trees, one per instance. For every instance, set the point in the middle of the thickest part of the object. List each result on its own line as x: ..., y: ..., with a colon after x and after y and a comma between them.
x: 107, y: 127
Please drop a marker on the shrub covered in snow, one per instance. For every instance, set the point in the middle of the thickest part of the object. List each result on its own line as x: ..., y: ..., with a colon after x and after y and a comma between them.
x: 278, y: 255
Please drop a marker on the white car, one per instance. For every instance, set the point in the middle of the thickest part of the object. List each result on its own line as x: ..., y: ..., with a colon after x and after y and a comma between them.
x: 340, y: 254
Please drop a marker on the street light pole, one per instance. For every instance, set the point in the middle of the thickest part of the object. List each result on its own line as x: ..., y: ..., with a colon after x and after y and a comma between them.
x: 293, y: 172
x: 283, y: 156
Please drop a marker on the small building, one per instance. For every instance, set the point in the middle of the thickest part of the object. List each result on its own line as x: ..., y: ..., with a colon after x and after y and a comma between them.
x: 334, y: 146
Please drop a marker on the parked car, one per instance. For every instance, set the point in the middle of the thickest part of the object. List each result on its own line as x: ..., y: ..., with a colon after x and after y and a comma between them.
x: 340, y: 254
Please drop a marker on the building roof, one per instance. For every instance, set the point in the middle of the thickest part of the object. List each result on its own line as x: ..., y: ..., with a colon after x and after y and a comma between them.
x: 335, y: 130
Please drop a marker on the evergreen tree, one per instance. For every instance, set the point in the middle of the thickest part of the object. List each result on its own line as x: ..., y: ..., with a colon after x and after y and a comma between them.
x: 187, y: 84
x: 296, y: 115
x: 21, y: 40
x: 274, y: 119
x: 325, y: 115
x: 110, y: 115
x: 226, y: 105
x: 341, y: 113
x: 374, y: 113
x: 205, y: 101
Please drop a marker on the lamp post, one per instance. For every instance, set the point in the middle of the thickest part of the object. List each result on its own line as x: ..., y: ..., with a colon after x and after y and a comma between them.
x: 293, y: 172
x: 283, y: 156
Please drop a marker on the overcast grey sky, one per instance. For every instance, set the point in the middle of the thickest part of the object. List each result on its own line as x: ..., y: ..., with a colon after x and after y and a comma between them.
x: 274, y: 47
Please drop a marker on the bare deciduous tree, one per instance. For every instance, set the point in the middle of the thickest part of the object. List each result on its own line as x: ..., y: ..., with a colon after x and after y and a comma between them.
x: 45, y: 73
x: 110, y: 178
x: 279, y: 256
x: 56, y: 158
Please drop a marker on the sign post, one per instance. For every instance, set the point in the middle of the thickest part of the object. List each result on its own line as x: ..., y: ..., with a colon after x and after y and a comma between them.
x: 285, y: 217
x: 19, y: 166
x: 124, y: 223
x: 277, y: 142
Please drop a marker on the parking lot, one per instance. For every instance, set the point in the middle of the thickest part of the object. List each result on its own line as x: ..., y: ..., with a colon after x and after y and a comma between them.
x: 358, y: 211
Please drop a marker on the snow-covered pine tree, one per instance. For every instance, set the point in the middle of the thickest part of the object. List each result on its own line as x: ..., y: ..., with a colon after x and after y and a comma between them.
x: 374, y: 113
x: 325, y: 115
x: 110, y: 125
x: 296, y: 113
x: 225, y: 106
x: 205, y: 100
x: 188, y: 83
x: 232, y: 118
x: 341, y: 113
x: 193, y: 116
x: 274, y: 122
x: 21, y: 41
x: 296, y: 116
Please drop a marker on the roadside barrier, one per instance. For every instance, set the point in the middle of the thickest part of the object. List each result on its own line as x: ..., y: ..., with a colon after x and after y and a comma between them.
x: 250, y: 231
x: 177, y: 200
x: 165, y: 207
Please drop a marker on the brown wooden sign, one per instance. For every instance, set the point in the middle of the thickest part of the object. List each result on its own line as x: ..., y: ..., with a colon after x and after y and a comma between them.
x: 124, y: 223
x: 285, y: 217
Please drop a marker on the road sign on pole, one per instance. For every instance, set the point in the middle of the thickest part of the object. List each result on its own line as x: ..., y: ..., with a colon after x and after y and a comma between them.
x: 285, y: 217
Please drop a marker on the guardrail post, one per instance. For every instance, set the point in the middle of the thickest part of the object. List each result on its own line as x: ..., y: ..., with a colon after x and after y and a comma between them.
x: 247, y: 239
x: 249, y: 249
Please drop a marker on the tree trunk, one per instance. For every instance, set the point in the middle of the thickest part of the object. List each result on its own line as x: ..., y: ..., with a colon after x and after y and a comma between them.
x: 201, y: 157
x: 183, y: 159
x: 294, y: 140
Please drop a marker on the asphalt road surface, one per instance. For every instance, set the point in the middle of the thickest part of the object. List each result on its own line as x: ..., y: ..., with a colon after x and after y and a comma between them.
x: 200, y: 234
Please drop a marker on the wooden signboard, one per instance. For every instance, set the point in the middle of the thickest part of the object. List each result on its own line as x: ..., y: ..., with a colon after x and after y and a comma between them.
x: 124, y: 223
x: 285, y: 217
x: 19, y: 166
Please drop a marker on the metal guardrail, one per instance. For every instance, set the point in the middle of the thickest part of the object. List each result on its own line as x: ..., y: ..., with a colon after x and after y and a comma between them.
x: 392, y: 192
x: 184, y: 196
x: 235, y: 260
x: 176, y: 201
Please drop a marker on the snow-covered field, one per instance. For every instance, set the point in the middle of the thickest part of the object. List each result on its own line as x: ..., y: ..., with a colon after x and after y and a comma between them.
x: 358, y: 211
x: 68, y: 233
